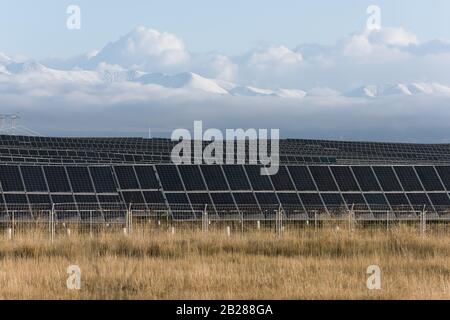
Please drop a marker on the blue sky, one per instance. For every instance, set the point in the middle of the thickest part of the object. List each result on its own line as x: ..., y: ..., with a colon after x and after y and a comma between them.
x: 230, y: 27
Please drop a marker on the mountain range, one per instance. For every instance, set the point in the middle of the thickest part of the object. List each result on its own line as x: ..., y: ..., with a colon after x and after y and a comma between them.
x: 33, y: 71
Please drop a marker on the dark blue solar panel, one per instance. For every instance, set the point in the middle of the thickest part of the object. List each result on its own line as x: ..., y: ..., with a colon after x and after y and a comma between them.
x: 258, y: 181
x: 289, y: 198
x: 153, y: 197
x: 302, y: 179
x: 344, y: 178
x: 419, y: 199
x: 34, y: 179
x: 57, y: 179
x: 323, y: 178
x: 103, y: 179
x: 147, y: 177
x: 133, y: 197
x: 222, y: 198
x: 214, y: 177
x: 126, y: 177
x: 408, y: 178
x: 356, y: 199
x: 267, y: 198
x: 397, y: 199
x: 236, y: 177
x: 444, y: 173
x: 375, y: 200
x: 332, y: 199
x: 387, y: 178
x: 80, y: 179
x: 244, y: 198
x: 192, y: 177
x: 170, y: 180
x: 311, y: 200
x: 10, y: 179
x: 366, y: 178
x: 429, y: 178
x: 281, y: 181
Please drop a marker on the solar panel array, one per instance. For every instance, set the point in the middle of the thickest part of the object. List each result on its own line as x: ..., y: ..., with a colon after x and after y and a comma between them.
x: 313, y: 175
x: 58, y: 150
x: 227, y: 189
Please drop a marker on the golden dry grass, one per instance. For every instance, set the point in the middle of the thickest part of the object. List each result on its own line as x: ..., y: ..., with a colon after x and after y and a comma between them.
x: 304, y: 264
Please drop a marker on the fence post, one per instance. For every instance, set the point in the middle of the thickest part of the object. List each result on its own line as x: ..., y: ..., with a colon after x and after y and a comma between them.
x: 350, y: 220
x: 279, y: 222
x: 423, y: 222
x: 52, y: 223
x: 205, y: 222
x: 90, y: 223
x: 13, y: 227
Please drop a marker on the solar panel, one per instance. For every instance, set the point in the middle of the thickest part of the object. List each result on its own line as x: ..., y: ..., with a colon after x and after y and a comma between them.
x: 397, y: 199
x: 301, y: 177
x: 147, y: 177
x: 214, y: 177
x: 170, y: 180
x: 244, y: 198
x: 153, y: 197
x: 236, y: 177
x: 103, y: 179
x: 311, y: 200
x: 10, y: 179
x: 258, y: 181
x: 444, y: 173
x: 132, y: 197
x: 192, y: 177
x: 344, y: 178
x: 332, y: 200
x: 323, y: 178
x: 80, y: 179
x: 429, y: 178
x: 419, y: 199
x: 200, y: 199
x: 15, y: 198
x: 439, y: 199
x: 57, y: 179
x: 375, y: 200
x: 408, y: 178
x: 356, y: 199
x: 366, y: 178
x: 387, y: 178
x: 222, y: 198
x: 289, y: 198
x: 281, y: 180
x: 267, y: 198
x: 33, y: 178
x: 126, y: 177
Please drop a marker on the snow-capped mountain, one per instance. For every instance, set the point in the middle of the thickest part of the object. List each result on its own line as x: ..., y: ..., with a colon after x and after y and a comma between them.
x: 400, y: 89
x: 258, y: 92
x: 185, y: 80
x: 34, y: 71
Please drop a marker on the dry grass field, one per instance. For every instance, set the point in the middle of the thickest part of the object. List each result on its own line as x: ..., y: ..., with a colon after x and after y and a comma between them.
x: 326, y: 264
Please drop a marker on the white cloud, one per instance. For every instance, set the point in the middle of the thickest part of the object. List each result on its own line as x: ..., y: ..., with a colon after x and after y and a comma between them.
x: 145, y: 49
x: 216, y: 66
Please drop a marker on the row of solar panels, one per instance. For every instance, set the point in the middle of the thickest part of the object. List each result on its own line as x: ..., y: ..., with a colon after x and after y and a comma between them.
x: 139, y: 150
x: 228, y: 185
x: 102, y: 179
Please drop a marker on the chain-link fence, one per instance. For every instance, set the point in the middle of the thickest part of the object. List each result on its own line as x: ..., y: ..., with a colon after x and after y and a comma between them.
x: 65, y: 220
